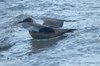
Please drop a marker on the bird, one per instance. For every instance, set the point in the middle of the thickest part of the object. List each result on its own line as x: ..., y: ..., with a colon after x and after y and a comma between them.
x: 38, y: 31
x: 54, y: 22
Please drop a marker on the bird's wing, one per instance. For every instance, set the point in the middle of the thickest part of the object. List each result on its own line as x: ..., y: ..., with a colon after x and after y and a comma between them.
x: 52, y: 22
x: 57, y: 30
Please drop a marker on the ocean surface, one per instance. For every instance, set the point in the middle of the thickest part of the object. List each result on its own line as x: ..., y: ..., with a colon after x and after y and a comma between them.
x: 80, y: 48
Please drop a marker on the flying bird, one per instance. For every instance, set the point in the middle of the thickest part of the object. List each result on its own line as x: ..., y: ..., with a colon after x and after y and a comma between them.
x: 39, y: 31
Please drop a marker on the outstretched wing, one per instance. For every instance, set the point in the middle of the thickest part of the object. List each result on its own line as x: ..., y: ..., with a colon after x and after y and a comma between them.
x: 53, y: 22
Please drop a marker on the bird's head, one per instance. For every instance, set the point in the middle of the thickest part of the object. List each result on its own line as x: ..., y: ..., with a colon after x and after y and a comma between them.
x: 26, y: 20
x: 27, y: 23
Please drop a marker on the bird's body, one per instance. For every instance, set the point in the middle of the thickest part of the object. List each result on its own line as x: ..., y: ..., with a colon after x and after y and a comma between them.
x: 58, y: 32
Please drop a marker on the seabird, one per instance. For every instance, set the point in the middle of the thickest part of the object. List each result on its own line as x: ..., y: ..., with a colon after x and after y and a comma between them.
x: 54, y: 22
x: 38, y: 31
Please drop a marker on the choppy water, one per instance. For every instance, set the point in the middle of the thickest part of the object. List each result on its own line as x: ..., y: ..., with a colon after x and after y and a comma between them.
x: 81, y: 48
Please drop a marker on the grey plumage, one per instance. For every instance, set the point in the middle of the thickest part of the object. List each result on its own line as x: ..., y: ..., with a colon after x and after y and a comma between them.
x: 53, y: 22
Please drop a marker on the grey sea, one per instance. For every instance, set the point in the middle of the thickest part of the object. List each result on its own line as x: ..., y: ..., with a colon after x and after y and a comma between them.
x: 80, y: 48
